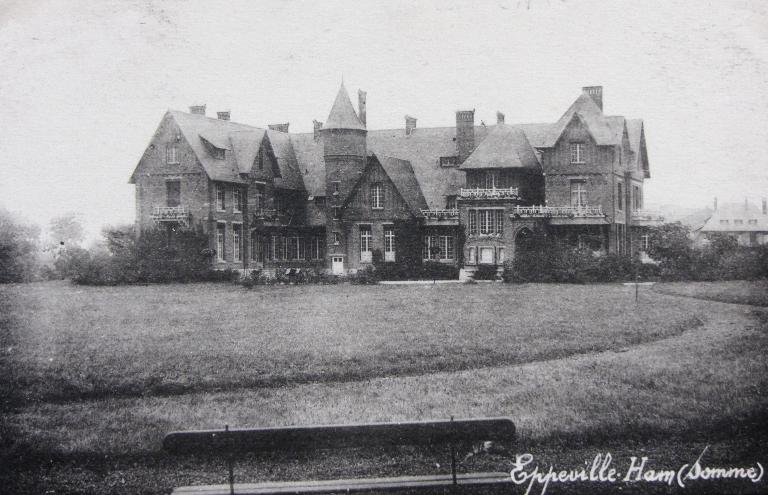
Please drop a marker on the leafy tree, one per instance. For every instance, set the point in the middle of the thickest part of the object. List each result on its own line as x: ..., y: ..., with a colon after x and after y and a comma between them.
x: 19, y: 249
x: 66, y: 230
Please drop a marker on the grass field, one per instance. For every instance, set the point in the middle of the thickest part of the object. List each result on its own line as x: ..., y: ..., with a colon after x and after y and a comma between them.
x: 93, y: 377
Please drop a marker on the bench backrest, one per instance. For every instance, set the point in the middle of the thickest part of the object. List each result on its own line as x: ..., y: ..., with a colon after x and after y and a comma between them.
x: 423, y: 433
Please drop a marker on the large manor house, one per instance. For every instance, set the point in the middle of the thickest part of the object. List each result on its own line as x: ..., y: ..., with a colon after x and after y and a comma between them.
x: 344, y: 196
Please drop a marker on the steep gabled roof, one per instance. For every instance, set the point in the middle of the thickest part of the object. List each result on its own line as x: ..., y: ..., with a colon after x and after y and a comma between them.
x: 636, y: 132
x: 310, y: 162
x: 245, y: 146
x: 737, y: 211
x: 290, y: 177
x: 342, y: 114
x: 197, y: 128
x: 401, y: 174
x: 585, y: 109
x: 505, y: 147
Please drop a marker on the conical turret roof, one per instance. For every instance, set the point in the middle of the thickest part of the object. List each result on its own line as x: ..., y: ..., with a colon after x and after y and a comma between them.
x: 342, y: 114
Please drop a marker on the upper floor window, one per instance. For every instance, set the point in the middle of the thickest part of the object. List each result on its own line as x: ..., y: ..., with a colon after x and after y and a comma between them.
x: 172, y: 154
x: 636, y: 198
x: 172, y: 193
x: 752, y: 221
x: 491, y: 179
x: 336, y: 185
x: 449, y: 161
x: 723, y: 222
x: 738, y: 221
x: 258, y: 198
x: 577, y: 152
x: 620, y: 189
x: 486, y: 221
x: 450, y: 203
x: 336, y: 238
x: 377, y: 196
x: 221, y: 204
x: 237, y: 195
x: 578, y: 193
x: 336, y: 212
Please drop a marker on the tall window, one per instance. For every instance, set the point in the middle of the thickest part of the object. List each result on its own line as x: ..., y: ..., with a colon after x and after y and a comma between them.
x: 450, y: 203
x: 377, y: 196
x: 258, y: 199
x: 221, y: 205
x: 578, y: 193
x: 336, y: 212
x: 257, y: 247
x: 317, y: 248
x: 491, y: 179
x: 472, y: 222
x: 635, y: 197
x: 486, y: 221
x: 221, y: 230
x: 336, y: 238
x: 237, y: 198
x: 172, y: 193
x: 577, y: 152
x: 645, y: 242
x: 237, y: 242
x: 172, y: 154
x: 365, y: 244
x: 619, y: 204
x: 294, y: 249
x: 472, y: 258
x: 389, y: 243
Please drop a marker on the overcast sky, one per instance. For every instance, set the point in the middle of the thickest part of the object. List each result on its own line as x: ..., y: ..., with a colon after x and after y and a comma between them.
x: 83, y: 85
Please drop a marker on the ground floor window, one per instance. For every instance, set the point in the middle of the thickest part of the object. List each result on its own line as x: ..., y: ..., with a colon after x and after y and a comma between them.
x: 237, y: 242
x: 257, y: 248
x: 221, y: 230
x: 317, y: 248
x: 438, y: 247
x: 366, y: 239
x: 645, y: 242
x: 389, y: 243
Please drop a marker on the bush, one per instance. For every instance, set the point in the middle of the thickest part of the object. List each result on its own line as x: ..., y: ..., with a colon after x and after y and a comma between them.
x: 368, y: 276
x: 485, y: 272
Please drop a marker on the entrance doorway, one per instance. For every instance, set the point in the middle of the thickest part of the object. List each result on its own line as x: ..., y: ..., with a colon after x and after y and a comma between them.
x: 337, y: 265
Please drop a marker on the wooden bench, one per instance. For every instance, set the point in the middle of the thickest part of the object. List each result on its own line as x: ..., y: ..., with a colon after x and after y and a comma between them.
x: 432, y: 434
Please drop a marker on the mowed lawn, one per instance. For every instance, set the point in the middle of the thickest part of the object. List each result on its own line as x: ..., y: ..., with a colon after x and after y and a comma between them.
x: 65, y: 342
x: 96, y: 376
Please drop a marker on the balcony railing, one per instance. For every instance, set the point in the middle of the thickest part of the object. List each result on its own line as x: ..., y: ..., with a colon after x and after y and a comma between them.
x: 647, y: 216
x: 178, y: 214
x: 493, y: 193
x: 448, y: 213
x: 558, y: 211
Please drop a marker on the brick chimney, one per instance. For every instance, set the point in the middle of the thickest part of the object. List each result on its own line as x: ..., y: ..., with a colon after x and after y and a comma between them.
x: 715, y: 203
x: 765, y: 206
x: 279, y: 127
x: 410, y: 125
x: 361, y: 105
x: 465, y: 133
x: 223, y: 115
x: 197, y: 109
x: 499, y: 118
x: 746, y: 204
x: 596, y: 93
x: 317, y: 126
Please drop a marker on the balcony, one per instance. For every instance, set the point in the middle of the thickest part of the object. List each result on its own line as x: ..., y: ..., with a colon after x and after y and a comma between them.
x: 178, y: 214
x: 493, y: 193
x: 646, y: 218
x: 562, y: 215
x: 441, y: 217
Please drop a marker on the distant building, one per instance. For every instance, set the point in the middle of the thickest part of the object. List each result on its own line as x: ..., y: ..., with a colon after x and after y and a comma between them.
x: 465, y: 194
x: 744, y: 221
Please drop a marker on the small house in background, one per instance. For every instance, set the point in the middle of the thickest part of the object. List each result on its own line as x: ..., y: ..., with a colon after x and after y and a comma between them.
x: 744, y: 221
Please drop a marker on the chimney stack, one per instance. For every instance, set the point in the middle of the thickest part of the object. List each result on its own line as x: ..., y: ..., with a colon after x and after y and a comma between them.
x: 279, y: 127
x: 499, y: 118
x: 223, y: 115
x: 715, y: 203
x: 361, y: 100
x: 465, y: 133
x: 765, y: 206
x: 317, y: 127
x: 596, y: 93
x: 410, y: 125
x: 197, y: 109
x: 746, y: 204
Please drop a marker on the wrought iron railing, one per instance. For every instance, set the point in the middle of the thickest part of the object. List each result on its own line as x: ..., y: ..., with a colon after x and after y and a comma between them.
x: 558, y: 211
x: 170, y: 214
x: 447, y: 213
x: 647, y: 216
x: 492, y: 193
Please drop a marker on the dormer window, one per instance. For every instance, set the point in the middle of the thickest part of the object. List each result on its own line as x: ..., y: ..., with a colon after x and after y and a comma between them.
x: 172, y: 154
x: 577, y: 153
x: 449, y: 161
